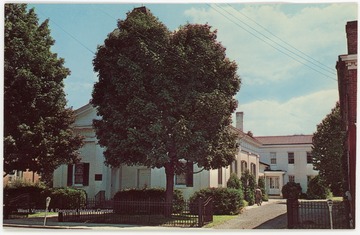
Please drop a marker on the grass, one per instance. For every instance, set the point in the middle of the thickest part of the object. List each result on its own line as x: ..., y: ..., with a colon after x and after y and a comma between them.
x: 340, y: 199
x: 42, y: 214
x: 219, y: 219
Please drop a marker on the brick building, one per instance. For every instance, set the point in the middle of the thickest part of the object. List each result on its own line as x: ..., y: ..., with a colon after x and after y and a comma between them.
x: 347, y: 81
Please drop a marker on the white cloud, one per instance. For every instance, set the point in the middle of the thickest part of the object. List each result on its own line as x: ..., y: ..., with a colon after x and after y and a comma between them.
x: 299, y: 115
x: 316, y: 30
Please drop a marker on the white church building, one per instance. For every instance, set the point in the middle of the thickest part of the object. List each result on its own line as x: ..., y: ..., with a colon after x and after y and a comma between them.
x: 278, y: 159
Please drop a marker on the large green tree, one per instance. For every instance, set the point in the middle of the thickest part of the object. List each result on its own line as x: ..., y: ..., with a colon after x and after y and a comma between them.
x: 37, y: 132
x: 164, y: 97
x: 328, y: 150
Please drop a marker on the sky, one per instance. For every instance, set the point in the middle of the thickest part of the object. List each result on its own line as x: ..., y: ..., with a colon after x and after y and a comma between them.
x: 286, y: 52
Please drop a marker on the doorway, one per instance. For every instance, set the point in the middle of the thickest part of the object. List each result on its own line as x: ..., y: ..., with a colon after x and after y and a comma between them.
x: 144, y: 178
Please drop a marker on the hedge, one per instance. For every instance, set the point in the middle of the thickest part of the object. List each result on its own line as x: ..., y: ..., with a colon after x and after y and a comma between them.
x: 226, y: 201
x: 154, y: 195
x: 61, y: 198
x: 291, y: 190
x: 67, y: 198
x: 317, y: 189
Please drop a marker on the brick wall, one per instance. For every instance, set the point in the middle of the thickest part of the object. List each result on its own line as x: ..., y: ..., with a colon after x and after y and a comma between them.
x: 351, y: 33
x: 347, y: 84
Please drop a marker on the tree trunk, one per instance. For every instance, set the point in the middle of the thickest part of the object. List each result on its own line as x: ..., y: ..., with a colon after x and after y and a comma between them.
x: 169, y: 193
x: 170, y: 173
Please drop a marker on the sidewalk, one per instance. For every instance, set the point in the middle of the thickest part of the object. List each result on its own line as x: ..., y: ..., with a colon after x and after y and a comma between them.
x: 52, y: 223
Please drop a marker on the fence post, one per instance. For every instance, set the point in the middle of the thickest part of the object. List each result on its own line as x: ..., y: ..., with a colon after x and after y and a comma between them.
x: 149, y: 210
x: 60, y: 217
x: 292, y: 207
x: 201, y: 212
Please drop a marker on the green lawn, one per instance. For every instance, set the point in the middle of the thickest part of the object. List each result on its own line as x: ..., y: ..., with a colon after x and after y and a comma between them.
x: 219, y: 219
x: 42, y: 214
x: 337, y: 198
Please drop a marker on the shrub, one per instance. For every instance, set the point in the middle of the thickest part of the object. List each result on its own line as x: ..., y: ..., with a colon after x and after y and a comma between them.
x: 317, y: 189
x: 67, y: 198
x: 37, y: 193
x: 248, y: 183
x: 291, y: 190
x: 61, y: 198
x: 234, y: 182
x: 147, y: 195
x: 226, y: 201
x: 261, y: 185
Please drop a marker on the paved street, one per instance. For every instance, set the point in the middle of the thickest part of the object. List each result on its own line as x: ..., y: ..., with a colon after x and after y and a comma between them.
x: 271, y: 215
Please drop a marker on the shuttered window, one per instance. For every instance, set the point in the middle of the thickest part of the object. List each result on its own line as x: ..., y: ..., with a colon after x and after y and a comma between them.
x: 78, y: 174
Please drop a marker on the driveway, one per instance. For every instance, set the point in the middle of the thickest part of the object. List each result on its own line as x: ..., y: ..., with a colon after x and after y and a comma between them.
x: 271, y: 215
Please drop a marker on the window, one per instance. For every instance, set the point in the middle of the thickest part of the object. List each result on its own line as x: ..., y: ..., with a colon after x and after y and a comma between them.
x: 243, y: 166
x: 291, y: 158
x: 274, y: 182
x: 253, y: 168
x: 19, y: 174
x: 220, y: 176
x: 98, y: 177
x: 273, y: 158
x: 308, y: 158
x: 234, y: 167
x: 291, y: 178
x: 78, y: 174
x: 187, y: 176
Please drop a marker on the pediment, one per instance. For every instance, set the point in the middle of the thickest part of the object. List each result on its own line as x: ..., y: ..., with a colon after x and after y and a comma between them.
x: 85, y: 115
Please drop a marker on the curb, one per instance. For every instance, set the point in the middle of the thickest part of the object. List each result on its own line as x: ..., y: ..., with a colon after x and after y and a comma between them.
x: 41, y: 226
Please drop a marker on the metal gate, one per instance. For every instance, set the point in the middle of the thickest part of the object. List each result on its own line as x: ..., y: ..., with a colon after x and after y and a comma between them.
x: 304, y: 214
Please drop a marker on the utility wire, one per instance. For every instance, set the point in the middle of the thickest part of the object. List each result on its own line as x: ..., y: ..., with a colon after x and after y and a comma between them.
x: 270, y: 43
x: 283, y: 41
x: 73, y: 37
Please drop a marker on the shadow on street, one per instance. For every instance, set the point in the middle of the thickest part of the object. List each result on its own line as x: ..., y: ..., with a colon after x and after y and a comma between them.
x: 279, y: 222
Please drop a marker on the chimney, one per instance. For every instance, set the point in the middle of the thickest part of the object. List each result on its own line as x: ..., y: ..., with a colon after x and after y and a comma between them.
x: 351, y: 34
x: 240, y: 120
x: 142, y: 9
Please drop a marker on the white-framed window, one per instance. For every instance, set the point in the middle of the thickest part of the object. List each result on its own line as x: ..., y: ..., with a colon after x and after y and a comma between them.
x: 291, y: 178
x: 78, y: 174
x: 234, y: 167
x: 291, y: 158
x: 273, y: 158
x: 220, y: 176
x: 243, y: 166
x: 309, y: 158
x: 253, y: 168
x: 274, y: 182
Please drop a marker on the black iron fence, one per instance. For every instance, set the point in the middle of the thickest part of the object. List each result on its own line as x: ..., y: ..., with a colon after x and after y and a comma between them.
x: 142, y: 213
x: 18, y: 206
x: 317, y: 214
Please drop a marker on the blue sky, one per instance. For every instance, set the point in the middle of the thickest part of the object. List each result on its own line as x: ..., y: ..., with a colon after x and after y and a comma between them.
x: 286, y: 53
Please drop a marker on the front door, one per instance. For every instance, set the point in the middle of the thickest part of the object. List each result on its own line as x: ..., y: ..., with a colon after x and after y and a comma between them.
x: 144, y: 176
x: 274, y: 185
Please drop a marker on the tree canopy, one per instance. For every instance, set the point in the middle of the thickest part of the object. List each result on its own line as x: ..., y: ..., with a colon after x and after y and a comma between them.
x: 328, y: 150
x: 37, y: 132
x: 164, y: 97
